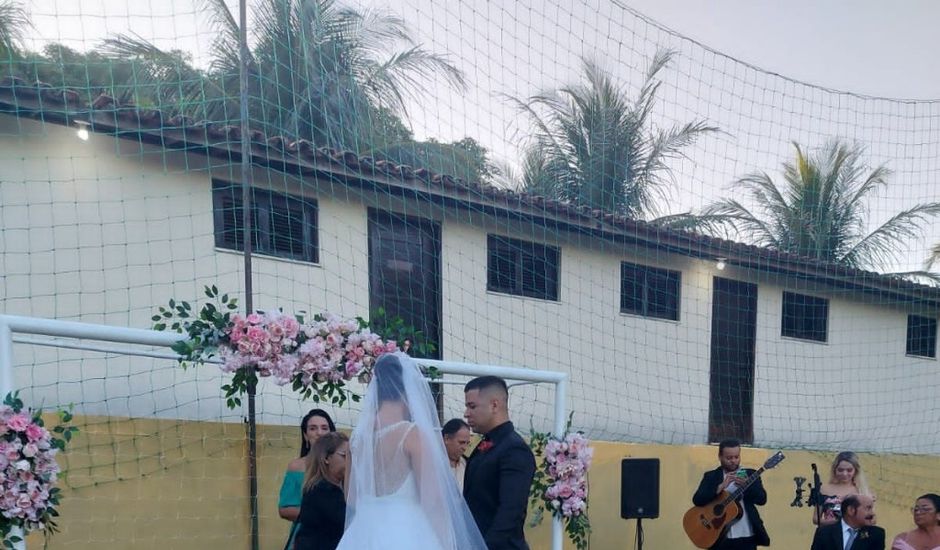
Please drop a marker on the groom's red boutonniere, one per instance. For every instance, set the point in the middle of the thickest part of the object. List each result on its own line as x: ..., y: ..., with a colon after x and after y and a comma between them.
x: 485, y: 445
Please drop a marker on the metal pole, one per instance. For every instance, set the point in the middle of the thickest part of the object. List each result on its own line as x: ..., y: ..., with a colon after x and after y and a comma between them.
x: 6, y: 358
x: 246, y: 221
x: 561, y: 395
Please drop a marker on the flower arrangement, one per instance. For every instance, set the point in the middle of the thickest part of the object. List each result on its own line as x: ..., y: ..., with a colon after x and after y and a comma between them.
x: 560, y: 482
x: 28, y: 469
x: 316, y: 356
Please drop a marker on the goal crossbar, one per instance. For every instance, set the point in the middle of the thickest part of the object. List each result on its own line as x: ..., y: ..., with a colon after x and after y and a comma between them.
x: 11, y: 325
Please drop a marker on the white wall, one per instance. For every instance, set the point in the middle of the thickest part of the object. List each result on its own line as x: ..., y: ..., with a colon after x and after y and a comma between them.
x: 104, y: 231
x: 99, y: 234
x: 859, y: 390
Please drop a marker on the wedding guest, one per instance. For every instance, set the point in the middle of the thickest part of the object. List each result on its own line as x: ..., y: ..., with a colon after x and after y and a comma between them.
x: 323, y: 508
x: 926, y: 536
x: 313, y: 425
x: 748, y: 532
x: 846, y: 478
x: 856, y: 529
x: 456, y: 434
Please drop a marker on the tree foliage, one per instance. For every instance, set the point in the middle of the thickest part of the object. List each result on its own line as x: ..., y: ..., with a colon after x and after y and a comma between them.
x: 820, y: 209
x: 596, y: 146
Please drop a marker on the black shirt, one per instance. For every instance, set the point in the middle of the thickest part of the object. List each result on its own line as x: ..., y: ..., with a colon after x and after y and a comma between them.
x: 322, y: 517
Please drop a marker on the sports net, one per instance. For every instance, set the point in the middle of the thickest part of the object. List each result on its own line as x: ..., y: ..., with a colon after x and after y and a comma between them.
x: 580, y: 224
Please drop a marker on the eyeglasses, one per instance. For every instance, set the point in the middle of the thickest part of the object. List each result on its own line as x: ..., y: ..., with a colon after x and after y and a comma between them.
x: 922, y: 509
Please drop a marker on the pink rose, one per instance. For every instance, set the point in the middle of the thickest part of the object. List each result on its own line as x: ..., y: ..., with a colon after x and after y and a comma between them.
x: 19, y: 422
x: 34, y: 432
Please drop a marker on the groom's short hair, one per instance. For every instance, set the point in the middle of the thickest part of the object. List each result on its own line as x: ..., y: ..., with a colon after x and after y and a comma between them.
x: 488, y: 383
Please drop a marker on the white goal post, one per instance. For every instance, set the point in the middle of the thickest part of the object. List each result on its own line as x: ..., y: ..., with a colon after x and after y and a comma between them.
x: 89, y: 336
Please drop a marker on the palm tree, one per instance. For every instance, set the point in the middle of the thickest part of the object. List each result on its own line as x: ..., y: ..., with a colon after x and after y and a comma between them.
x: 595, y: 146
x: 317, y: 71
x: 819, y: 210
x: 14, y: 22
x: 934, y: 256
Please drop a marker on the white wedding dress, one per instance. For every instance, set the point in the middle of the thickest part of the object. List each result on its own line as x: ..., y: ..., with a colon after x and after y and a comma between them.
x: 402, y: 494
x: 393, y: 520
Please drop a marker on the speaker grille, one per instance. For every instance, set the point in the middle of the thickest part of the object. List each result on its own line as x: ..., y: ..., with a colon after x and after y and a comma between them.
x: 639, y: 488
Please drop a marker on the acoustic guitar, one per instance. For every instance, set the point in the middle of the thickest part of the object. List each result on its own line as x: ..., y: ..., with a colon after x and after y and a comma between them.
x: 704, y: 524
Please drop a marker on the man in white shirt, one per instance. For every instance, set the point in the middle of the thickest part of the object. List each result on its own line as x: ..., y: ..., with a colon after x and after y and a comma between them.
x: 856, y: 530
x: 747, y: 533
x: 456, y: 434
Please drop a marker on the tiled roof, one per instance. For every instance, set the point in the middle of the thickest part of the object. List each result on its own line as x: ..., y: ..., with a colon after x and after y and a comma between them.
x: 106, y: 115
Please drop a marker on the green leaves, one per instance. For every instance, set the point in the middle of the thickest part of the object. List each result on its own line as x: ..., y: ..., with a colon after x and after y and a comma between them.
x: 203, y: 328
x: 394, y: 328
x: 596, y: 146
x: 819, y: 209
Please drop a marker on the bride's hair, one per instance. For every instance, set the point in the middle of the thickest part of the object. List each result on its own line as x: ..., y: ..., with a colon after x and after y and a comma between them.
x: 322, y: 450
x: 388, y: 382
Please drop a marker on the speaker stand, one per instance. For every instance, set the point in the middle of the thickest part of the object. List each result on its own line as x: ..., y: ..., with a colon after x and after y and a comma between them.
x: 639, y: 533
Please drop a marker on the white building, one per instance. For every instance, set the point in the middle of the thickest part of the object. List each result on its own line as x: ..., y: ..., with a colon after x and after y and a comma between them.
x: 660, y: 343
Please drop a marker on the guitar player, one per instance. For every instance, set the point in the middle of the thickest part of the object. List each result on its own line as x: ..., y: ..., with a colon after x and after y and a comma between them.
x: 747, y: 533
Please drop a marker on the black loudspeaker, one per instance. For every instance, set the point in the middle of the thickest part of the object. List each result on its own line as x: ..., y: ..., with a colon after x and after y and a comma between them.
x: 639, y: 488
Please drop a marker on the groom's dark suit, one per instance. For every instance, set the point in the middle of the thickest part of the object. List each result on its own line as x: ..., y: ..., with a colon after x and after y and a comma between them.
x: 829, y: 537
x: 496, y: 487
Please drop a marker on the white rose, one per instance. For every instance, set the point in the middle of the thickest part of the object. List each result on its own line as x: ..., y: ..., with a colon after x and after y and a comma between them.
x: 30, y: 450
x: 22, y: 465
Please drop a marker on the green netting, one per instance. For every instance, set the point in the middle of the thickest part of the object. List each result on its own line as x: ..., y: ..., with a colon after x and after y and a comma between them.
x: 707, y: 248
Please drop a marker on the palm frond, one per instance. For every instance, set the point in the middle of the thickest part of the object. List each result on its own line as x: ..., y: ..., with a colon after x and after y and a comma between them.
x: 883, y: 245
x: 729, y: 212
x: 405, y: 74
x: 933, y: 258
x: 14, y: 25
x: 715, y: 225
x: 169, y: 81
x: 603, y: 149
x: 226, y: 44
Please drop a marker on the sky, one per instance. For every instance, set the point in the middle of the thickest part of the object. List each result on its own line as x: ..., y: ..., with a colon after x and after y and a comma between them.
x: 838, y: 59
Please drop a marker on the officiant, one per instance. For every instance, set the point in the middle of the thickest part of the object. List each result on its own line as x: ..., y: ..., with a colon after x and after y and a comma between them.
x: 456, y: 435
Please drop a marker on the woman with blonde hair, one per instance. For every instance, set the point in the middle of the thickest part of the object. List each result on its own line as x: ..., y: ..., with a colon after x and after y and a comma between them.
x: 323, y: 507
x: 846, y: 478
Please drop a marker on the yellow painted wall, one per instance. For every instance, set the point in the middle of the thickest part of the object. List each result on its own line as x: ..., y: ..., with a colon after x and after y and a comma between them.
x: 162, y: 484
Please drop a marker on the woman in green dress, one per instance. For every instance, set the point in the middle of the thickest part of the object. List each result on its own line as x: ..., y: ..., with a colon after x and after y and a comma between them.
x: 314, y: 424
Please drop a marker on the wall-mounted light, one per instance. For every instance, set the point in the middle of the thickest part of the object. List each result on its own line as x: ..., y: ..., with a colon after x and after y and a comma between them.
x: 82, y: 130
x: 720, y: 263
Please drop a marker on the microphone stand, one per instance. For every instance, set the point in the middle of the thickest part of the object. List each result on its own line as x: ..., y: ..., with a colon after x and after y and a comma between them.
x: 815, y: 498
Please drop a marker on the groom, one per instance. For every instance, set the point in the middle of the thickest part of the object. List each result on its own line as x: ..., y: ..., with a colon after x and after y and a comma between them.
x: 500, y: 469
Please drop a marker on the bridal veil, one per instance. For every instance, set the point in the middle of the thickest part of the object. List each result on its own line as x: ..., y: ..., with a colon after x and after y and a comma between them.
x: 399, y: 462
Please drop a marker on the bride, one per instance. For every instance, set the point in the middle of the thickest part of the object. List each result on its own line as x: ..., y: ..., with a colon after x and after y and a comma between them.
x: 401, y: 493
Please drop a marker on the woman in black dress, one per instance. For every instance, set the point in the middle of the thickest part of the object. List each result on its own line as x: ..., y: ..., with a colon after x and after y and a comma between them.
x: 323, y: 508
